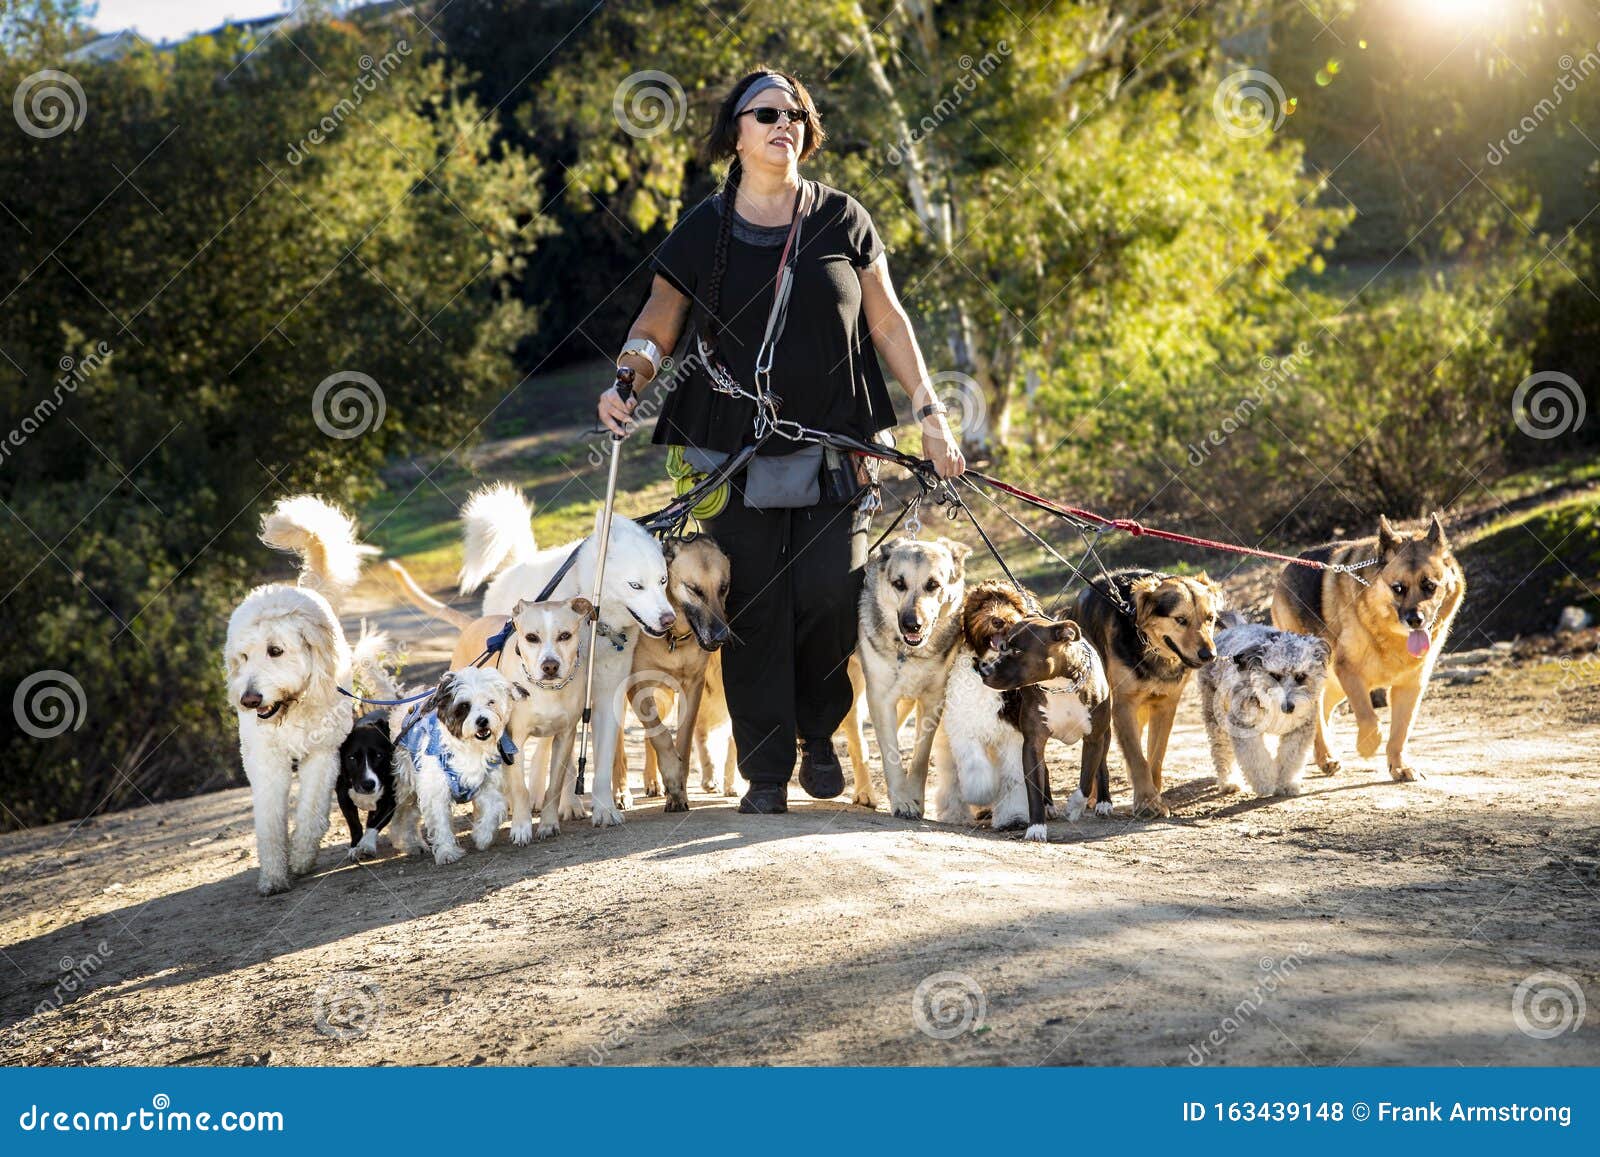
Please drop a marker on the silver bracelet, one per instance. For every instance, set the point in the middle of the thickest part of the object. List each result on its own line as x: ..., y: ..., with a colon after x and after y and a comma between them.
x: 646, y: 349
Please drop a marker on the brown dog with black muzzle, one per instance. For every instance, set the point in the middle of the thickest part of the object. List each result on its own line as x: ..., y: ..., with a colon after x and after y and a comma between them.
x: 1152, y: 631
x: 1067, y: 693
x: 1385, y: 622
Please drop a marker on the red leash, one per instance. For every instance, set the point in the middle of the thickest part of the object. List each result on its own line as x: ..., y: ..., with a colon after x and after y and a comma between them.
x: 1138, y: 529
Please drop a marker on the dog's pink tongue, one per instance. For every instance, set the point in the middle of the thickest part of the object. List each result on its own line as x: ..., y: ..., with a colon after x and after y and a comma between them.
x: 1417, y: 643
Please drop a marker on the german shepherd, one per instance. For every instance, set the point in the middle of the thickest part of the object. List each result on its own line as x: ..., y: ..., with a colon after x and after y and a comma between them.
x: 1152, y: 631
x: 1386, y: 628
x: 698, y: 573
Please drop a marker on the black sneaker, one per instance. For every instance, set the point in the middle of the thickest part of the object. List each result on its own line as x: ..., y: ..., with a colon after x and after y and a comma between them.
x: 765, y: 799
x: 820, y: 773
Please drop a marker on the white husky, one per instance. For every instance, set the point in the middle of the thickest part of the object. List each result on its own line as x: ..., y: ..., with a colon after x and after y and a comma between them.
x: 634, y: 599
x: 286, y: 656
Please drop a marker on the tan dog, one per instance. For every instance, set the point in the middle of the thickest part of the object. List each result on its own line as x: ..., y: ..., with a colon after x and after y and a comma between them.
x: 713, y: 739
x: 1152, y: 632
x: 909, y: 633
x: 674, y: 666
x: 543, y: 655
x: 1386, y: 628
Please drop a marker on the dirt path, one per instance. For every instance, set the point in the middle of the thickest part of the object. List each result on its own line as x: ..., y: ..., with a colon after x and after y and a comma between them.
x: 1363, y: 923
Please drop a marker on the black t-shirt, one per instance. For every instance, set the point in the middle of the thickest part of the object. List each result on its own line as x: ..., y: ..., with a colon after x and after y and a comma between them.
x: 825, y: 369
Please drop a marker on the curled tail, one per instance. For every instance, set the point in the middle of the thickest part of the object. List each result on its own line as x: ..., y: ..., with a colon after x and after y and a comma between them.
x: 422, y: 600
x: 371, y: 677
x: 498, y: 529
x: 323, y: 536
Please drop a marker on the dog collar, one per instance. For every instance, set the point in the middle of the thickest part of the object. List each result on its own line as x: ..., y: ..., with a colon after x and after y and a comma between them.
x: 674, y: 640
x: 616, y: 638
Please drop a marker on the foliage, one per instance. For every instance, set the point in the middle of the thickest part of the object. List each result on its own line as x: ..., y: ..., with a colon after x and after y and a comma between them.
x: 188, y: 266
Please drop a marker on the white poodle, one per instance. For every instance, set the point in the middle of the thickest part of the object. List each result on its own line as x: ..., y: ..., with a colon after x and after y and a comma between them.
x: 286, y: 655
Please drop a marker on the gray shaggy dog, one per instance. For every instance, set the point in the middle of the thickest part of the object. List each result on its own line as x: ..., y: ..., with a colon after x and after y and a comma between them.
x: 1263, y: 682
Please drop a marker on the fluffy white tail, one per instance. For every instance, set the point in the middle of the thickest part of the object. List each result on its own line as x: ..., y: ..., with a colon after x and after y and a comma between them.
x: 323, y: 536
x: 371, y: 677
x: 422, y: 600
x: 498, y: 528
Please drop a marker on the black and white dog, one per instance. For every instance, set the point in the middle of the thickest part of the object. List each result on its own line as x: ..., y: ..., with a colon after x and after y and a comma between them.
x: 366, y: 781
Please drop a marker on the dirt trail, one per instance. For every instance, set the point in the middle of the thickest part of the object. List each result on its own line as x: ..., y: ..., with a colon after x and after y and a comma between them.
x: 1363, y: 923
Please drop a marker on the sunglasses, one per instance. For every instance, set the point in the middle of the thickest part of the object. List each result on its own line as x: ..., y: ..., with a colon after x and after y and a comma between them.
x: 769, y: 116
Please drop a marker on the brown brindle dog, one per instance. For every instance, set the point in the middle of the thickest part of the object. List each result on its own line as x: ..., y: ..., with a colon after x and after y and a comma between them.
x: 1152, y: 632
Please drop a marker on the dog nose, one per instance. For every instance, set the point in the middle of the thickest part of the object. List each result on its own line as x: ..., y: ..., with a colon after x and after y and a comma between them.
x: 251, y: 699
x: 1207, y: 654
x: 482, y: 721
x: 1413, y: 618
x: 1288, y: 706
x: 551, y: 668
x: 667, y: 619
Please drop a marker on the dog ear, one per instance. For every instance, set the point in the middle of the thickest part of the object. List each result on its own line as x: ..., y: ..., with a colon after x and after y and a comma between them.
x: 1389, y: 539
x: 958, y: 551
x: 1065, y: 631
x: 1321, y: 649
x: 1251, y: 656
x: 581, y: 606
x: 522, y: 605
x: 1435, y: 537
x: 518, y: 691
x: 669, y: 549
x: 1209, y: 583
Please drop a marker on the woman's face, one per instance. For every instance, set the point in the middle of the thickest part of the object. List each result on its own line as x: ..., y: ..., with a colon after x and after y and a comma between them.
x: 772, y: 146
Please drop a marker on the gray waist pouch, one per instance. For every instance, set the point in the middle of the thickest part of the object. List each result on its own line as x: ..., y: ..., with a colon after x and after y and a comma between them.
x: 771, y: 481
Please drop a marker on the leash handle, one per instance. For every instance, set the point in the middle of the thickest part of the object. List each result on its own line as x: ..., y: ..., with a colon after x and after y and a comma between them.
x: 624, y: 387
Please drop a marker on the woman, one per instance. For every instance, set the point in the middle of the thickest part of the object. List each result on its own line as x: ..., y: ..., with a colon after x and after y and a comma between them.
x: 793, y: 592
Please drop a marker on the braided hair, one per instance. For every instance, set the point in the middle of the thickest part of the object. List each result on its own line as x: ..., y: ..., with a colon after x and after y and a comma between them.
x: 720, y: 145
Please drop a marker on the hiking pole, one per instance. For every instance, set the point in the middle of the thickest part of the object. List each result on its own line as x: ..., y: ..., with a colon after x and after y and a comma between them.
x: 624, y: 389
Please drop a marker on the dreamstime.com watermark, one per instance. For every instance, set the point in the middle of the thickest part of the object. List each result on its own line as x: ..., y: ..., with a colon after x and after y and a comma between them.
x: 49, y: 703
x: 1273, y: 975
x: 347, y: 404
x: 160, y: 1117
x: 1250, y: 102
x: 373, y: 73
x: 74, y: 975
x: 1548, y: 404
x: 347, y: 1007
x: 49, y: 103
x: 649, y: 399
x: 1274, y: 373
x: 1572, y: 72
x: 74, y: 372
x: 649, y: 103
x: 973, y: 71
x: 948, y: 1004
x: 1547, y: 1004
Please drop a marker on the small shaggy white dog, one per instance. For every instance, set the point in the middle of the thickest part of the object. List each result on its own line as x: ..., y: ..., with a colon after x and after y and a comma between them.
x: 285, y: 656
x: 447, y: 751
x: 1263, y: 682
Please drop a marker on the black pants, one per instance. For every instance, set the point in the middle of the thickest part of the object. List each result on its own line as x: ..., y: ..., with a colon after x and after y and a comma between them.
x: 792, y: 595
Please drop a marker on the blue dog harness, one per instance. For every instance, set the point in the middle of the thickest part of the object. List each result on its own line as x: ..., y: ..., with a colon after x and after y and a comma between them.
x: 425, y: 736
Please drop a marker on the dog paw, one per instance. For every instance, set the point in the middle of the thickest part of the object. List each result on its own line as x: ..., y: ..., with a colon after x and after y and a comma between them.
x: 1289, y: 789
x: 547, y: 830
x: 1037, y: 833
x: 1330, y: 766
x: 1151, y: 807
x: 651, y: 791
x: 1368, y: 740
x: 272, y: 885
x: 1404, y: 773
x: 677, y: 802
x: 572, y: 809
x: 606, y: 816
x: 906, y: 810
x: 1103, y: 808
x: 483, y: 840
x: 522, y: 833
x: 1076, y: 804
x: 448, y: 854
x: 1228, y: 786
x: 864, y: 799
x: 1010, y: 823
x: 303, y: 862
